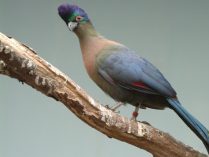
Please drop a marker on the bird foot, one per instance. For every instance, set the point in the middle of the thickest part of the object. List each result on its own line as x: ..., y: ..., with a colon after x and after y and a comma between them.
x: 114, y: 108
x: 146, y: 123
x: 107, y: 106
x: 136, y: 112
x: 134, y: 116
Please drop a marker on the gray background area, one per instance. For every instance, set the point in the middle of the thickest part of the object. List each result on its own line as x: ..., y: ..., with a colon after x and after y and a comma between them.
x: 174, y: 35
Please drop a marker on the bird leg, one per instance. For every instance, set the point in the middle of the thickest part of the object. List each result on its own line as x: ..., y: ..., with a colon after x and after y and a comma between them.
x: 135, y: 113
x: 118, y: 104
x: 114, y: 108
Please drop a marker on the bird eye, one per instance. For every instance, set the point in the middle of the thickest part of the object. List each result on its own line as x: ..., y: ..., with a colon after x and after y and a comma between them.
x: 78, y: 18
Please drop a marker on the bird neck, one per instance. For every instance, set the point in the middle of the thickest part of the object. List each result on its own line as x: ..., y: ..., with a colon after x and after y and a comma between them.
x: 90, y: 40
x: 84, y: 31
x: 90, y: 43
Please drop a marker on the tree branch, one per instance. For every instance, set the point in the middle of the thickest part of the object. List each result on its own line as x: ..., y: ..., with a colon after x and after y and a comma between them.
x: 21, y: 62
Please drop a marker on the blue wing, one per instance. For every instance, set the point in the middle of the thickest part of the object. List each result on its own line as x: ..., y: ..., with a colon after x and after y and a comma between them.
x: 123, y: 67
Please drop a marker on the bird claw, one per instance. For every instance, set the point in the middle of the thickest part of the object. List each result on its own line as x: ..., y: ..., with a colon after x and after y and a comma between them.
x: 133, y: 119
x: 112, y: 109
x: 116, y: 111
x: 107, y: 106
x: 146, y: 123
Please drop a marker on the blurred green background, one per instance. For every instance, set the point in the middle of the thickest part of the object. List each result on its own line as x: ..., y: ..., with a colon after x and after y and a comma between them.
x: 173, y: 35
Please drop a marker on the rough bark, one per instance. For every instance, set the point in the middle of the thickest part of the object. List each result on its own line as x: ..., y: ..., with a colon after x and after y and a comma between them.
x: 21, y: 62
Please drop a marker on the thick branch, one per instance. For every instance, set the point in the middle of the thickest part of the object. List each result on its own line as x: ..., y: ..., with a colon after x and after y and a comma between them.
x: 21, y: 62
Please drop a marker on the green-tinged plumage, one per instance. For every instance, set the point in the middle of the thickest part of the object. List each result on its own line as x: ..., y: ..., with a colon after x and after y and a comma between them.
x: 86, y: 30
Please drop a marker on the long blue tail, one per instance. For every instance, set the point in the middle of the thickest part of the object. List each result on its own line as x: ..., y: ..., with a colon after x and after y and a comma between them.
x: 201, y: 131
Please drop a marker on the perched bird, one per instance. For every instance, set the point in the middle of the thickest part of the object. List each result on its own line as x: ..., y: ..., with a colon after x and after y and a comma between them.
x: 122, y: 74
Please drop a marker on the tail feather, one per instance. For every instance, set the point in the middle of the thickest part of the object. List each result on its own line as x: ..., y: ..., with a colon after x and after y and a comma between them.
x: 201, y: 131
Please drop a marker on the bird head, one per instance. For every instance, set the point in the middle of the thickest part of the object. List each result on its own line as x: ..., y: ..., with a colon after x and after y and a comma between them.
x: 73, y: 15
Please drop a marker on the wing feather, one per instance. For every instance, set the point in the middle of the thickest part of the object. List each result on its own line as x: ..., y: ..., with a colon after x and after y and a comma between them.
x: 128, y: 70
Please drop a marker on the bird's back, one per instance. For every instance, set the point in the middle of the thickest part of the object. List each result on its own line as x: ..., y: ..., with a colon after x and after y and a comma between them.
x: 120, y: 67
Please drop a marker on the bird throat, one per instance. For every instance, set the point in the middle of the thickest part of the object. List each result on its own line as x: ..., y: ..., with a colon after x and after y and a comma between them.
x: 86, y: 30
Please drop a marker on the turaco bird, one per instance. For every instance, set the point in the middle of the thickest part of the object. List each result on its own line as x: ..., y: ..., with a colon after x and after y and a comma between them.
x: 122, y: 74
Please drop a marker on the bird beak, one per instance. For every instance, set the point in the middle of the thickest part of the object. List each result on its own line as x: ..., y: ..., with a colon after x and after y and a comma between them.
x: 72, y: 25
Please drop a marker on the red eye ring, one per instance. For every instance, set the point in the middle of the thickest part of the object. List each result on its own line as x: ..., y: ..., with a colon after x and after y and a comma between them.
x: 78, y: 18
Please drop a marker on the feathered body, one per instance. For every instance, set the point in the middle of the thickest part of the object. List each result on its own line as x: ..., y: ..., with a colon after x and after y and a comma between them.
x: 122, y: 74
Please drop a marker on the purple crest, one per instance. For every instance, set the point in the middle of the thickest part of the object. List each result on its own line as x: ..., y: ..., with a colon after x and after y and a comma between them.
x: 66, y: 11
